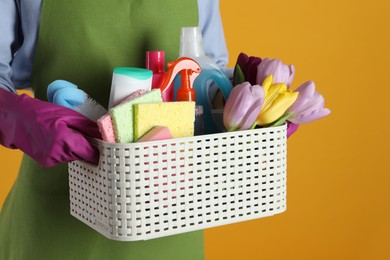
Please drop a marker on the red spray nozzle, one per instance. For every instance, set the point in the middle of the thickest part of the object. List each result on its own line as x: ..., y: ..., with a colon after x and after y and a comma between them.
x: 189, y: 70
x: 186, y: 92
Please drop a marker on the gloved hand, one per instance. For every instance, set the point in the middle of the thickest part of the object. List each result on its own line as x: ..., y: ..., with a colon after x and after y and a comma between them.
x: 48, y: 133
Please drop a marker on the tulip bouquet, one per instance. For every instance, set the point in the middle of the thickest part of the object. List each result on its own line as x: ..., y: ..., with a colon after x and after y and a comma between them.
x: 261, y: 97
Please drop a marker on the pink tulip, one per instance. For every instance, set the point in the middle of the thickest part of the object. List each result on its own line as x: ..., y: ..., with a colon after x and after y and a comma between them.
x: 243, y: 106
x: 309, y: 106
x: 281, y: 73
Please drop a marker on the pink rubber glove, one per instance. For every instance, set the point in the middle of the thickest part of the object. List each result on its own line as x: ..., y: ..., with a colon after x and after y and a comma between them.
x: 48, y: 133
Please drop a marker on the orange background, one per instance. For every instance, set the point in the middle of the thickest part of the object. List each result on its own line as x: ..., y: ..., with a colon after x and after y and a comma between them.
x: 338, y: 180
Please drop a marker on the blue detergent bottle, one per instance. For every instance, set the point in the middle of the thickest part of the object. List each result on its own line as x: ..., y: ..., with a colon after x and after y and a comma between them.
x: 191, y: 46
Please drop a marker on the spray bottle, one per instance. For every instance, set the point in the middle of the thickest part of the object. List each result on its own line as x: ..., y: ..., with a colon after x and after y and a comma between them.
x: 191, y: 45
x: 189, y: 70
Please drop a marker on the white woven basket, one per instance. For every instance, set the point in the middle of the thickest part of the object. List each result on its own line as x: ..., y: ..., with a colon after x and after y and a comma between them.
x: 141, y: 191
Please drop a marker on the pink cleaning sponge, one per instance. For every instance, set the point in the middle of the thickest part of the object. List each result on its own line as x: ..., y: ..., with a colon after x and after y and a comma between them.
x: 133, y: 95
x: 105, y: 122
x: 156, y: 133
x: 105, y: 128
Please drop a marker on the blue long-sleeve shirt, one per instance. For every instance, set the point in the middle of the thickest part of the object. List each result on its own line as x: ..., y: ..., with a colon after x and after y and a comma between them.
x: 19, y: 24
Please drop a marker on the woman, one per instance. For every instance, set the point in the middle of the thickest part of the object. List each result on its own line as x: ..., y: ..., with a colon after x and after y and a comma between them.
x: 80, y: 41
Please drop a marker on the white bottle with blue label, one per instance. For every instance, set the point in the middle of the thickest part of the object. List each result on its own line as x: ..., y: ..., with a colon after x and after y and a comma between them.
x: 191, y: 45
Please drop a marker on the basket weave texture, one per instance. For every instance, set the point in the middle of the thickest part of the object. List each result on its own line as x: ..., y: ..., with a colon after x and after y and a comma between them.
x: 141, y: 191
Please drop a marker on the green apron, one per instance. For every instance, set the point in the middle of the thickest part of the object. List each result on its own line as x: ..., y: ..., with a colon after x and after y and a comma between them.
x: 82, y: 41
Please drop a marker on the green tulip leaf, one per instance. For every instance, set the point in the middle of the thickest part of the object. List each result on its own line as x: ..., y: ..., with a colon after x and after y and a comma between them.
x: 239, y: 76
x: 281, y: 120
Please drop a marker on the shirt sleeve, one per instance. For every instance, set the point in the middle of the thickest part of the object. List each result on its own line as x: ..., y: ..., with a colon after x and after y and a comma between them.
x: 9, y: 41
x: 213, y: 35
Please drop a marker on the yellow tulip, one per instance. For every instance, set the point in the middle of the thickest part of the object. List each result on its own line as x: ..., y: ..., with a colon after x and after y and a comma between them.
x: 277, y: 100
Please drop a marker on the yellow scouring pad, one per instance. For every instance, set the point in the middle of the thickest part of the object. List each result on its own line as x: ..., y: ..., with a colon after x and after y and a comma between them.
x: 179, y: 117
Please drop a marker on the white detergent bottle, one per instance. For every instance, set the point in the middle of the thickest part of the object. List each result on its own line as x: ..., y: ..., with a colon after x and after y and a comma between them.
x: 191, y: 45
x: 127, y: 80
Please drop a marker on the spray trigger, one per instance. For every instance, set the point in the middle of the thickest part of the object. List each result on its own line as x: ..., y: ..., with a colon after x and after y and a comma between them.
x: 189, y: 69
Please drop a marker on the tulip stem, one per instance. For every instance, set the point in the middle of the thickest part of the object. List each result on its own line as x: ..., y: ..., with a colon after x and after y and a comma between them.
x: 253, y: 126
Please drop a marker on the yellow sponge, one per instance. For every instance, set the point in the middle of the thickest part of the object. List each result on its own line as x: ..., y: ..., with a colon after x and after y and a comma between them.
x: 179, y: 117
